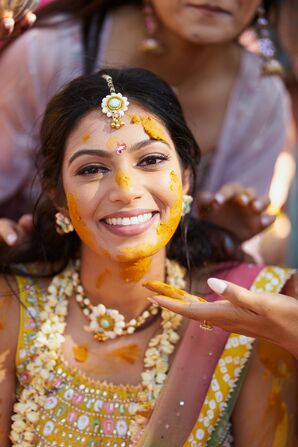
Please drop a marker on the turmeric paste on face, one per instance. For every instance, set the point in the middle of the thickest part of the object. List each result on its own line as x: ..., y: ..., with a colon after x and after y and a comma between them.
x: 123, y: 180
x: 151, y: 126
x: 135, y: 271
x: 164, y: 230
x: 86, y: 137
x: 79, y: 225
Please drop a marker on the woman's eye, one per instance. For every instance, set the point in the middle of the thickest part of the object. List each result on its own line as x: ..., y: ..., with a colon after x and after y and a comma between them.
x: 150, y: 160
x: 92, y: 170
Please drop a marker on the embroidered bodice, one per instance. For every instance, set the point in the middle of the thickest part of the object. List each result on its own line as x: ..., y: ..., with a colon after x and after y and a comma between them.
x: 79, y: 411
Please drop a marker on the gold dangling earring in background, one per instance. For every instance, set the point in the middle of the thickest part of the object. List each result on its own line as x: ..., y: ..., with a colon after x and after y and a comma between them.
x: 150, y: 44
x: 270, y: 65
x: 63, y: 224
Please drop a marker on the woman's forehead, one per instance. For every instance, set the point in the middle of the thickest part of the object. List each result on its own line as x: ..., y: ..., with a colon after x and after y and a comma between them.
x: 139, y: 124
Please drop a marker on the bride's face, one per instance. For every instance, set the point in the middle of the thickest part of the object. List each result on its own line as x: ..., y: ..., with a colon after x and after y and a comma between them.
x: 123, y: 187
x: 205, y: 21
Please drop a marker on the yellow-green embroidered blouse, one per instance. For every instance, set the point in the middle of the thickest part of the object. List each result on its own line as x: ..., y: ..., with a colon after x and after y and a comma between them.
x: 87, y: 413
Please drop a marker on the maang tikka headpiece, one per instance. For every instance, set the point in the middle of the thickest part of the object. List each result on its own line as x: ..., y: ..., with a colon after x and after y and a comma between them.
x: 114, y: 105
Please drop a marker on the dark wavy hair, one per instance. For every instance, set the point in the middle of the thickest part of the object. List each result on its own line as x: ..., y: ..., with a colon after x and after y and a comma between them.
x: 63, y: 113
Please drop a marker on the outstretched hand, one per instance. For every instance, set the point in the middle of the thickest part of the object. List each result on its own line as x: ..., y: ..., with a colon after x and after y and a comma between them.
x: 236, y: 209
x: 10, y: 28
x: 14, y: 233
x: 273, y: 317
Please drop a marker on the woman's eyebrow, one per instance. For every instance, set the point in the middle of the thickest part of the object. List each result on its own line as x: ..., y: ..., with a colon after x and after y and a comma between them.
x: 108, y: 154
x: 147, y: 142
x: 81, y: 152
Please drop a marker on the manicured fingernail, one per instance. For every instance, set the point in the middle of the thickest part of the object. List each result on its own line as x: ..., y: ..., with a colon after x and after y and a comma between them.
x: 8, y: 23
x: 244, y: 198
x: 267, y: 220
x: 31, y: 19
x: 258, y: 205
x: 219, y: 198
x: 11, y: 238
x: 218, y: 285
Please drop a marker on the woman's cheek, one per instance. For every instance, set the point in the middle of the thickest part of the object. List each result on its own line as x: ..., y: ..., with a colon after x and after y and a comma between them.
x: 79, y: 225
x: 167, y: 228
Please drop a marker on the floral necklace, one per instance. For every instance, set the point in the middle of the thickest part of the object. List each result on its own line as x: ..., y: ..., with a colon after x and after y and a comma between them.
x: 47, y: 347
x: 107, y: 323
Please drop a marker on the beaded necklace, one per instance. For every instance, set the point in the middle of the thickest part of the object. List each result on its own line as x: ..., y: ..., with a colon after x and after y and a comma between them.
x: 48, y: 342
x: 107, y: 323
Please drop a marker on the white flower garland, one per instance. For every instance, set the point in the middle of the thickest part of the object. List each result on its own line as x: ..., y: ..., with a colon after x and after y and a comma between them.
x: 50, y: 338
x: 47, y: 344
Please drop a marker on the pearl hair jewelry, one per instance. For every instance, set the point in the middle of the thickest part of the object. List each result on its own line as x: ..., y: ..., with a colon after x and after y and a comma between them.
x: 114, y: 105
x: 107, y: 323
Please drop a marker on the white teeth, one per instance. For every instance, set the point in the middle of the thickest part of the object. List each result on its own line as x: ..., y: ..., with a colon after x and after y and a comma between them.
x: 125, y: 221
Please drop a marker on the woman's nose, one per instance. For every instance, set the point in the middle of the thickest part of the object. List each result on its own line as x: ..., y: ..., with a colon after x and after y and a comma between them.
x: 125, y: 188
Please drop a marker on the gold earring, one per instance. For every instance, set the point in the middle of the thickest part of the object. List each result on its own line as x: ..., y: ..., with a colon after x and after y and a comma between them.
x: 270, y: 65
x: 150, y: 44
x: 63, y: 224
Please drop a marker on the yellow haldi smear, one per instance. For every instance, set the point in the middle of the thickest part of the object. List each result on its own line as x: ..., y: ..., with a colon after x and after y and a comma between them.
x: 169, y: 291
x: 164, y: 289
x: 80, y: 353
x: 282, y: 417
x: 129, y: 354
x: 153, y: 128
x: 164, y: 230
x: 135, y: 271
x: 102, y: 278
x: 80, y: 226
x: 135, y: 119
x: 279, y: 366
x: 86, y: 137
x: 111, y: 143
x: 123, y: 180
x: 276, y: 360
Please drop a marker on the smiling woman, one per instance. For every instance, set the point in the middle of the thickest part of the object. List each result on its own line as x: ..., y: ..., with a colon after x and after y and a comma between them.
x: 94, y: 361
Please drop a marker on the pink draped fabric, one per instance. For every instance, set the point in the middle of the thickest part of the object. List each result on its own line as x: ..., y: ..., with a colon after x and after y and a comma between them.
x: 178, y: 407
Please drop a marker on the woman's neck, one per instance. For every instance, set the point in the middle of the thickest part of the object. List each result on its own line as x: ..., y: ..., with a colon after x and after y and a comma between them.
x: 181, y: 61
x: 120, y: 285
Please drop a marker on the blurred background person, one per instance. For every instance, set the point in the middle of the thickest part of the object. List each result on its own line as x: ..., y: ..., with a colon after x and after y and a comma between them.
x: 239, y: 114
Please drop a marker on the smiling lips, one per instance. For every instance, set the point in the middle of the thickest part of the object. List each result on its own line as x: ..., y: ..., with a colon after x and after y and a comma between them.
x: 124, y: 221
x: 129, y: 223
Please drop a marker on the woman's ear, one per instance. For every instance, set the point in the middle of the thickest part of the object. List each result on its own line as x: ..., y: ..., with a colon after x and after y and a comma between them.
x: 58, y: 203
x: 186, y: 176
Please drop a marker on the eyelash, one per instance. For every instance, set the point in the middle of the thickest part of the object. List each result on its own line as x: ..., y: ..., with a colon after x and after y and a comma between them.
x: 149, y: 160
x: 153, y: 157
x: 97, y: 169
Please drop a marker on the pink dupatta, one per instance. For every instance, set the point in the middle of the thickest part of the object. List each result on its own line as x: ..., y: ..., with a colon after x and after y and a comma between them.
x: 179, y: 404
